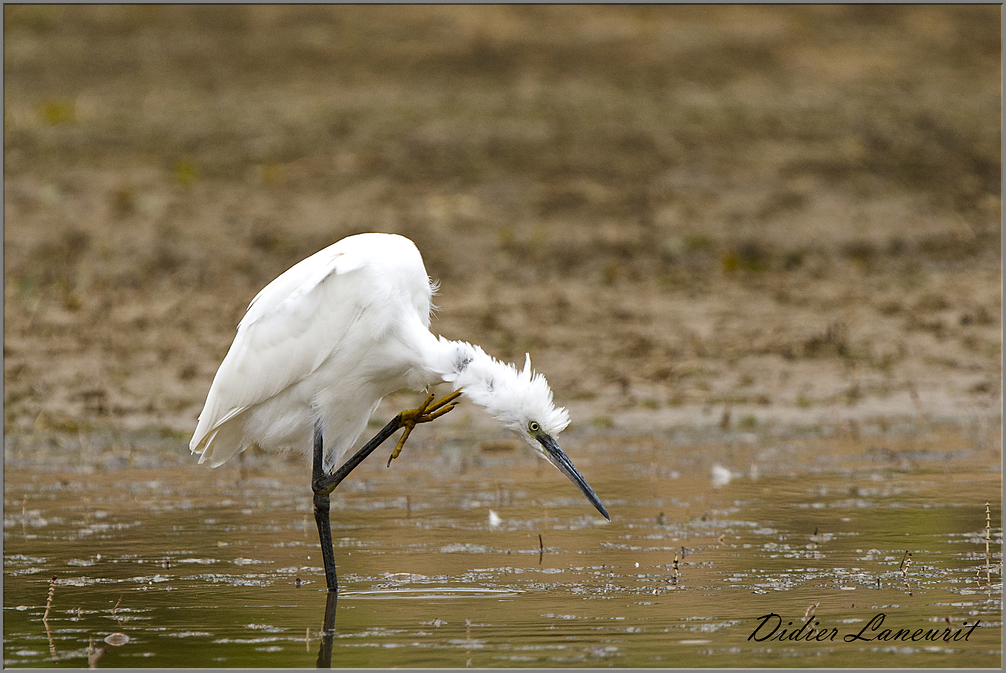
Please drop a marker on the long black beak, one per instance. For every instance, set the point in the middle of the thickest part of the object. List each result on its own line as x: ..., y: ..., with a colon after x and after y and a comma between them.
x: 559, y: 459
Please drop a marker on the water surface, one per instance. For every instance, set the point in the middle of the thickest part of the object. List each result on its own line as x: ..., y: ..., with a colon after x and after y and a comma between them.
x: 159, y: 562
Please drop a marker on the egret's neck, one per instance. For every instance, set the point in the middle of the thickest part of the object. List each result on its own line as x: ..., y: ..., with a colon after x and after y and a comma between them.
x: 469, y: 367
x: 512, y: 396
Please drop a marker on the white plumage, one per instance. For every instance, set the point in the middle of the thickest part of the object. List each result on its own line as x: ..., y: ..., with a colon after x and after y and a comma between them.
x: 333, y: 335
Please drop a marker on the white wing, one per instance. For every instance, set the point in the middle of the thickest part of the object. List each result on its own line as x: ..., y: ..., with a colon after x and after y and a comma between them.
x: 290, y: 327
x: 298, y: 322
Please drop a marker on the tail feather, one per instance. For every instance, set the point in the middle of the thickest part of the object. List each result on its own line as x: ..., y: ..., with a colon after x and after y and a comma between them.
x: 222, y: 442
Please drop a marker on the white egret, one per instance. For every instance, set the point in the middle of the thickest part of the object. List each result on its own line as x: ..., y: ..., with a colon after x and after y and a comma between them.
x: 323, y: 343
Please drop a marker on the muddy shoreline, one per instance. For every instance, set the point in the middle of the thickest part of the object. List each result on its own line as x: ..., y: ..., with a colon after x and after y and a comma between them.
x: 731, y: 216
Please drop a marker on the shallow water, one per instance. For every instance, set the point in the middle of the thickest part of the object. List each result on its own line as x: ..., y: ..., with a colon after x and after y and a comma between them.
x: 178, y: 565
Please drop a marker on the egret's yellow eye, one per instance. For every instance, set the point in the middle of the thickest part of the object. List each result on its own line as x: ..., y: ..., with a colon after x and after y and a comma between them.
x: 533, y: 426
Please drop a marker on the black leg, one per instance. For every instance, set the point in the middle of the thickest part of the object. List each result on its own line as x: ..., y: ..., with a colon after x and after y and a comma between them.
x: 322, y: 505
x: 323, y: 484
x: 326, y: 483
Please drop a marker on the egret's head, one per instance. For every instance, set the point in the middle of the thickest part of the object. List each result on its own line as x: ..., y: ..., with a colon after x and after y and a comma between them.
x: 522, y: 402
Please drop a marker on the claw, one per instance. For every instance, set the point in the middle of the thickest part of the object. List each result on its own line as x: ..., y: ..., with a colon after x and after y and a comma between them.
x: 422, y: 414
x: 445, y: 401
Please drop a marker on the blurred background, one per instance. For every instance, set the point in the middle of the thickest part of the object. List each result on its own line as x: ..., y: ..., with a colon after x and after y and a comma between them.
x: 731, y: 215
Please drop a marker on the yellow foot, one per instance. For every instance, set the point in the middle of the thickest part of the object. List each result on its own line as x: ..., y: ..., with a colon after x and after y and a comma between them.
x: 424, y: 414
